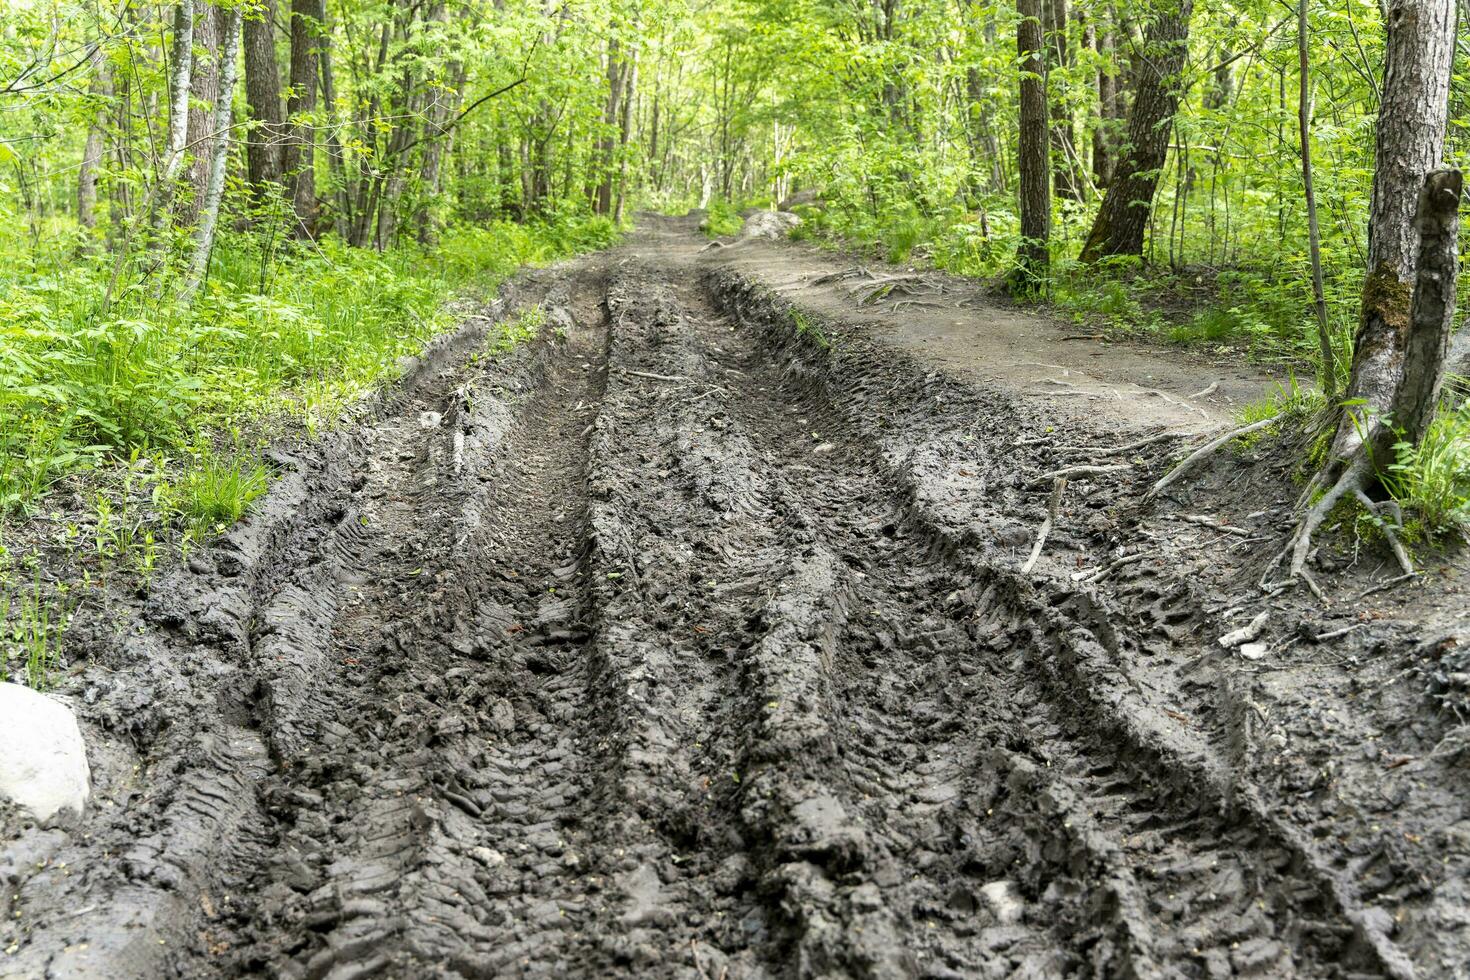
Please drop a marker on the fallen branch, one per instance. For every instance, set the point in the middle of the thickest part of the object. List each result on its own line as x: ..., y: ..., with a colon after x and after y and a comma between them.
x: 1206, y: 392
x: 1108, y: 569
x: 1069, y: 472
x: 1193, y: 458
x: 654, y: 377
x: 1051, y: 516
x: 1128, y: 448
x: 1382, y: 586
x: 1083, y: 336
x: 1334, y: 634
x: 1210, y: 522
x: 1246, y: 633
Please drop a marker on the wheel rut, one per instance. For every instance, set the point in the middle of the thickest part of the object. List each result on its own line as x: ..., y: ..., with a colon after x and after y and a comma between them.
x: 655, y: 647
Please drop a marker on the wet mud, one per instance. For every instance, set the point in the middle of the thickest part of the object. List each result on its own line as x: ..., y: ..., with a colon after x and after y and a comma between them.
x: 686, y: 640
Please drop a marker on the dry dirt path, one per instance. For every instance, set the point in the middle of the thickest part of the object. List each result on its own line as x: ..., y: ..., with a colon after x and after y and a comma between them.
x: 679, y: 642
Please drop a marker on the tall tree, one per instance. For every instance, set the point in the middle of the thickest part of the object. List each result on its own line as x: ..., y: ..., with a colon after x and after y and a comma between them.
x: 263, y: 150
x: 1032, y: 256
x: 100, y: 90
x: 1063, y: 136
x: 218, y: 152
x: 204, y: 91
x: 1314, y: 234
x: 307, y: 19
x: 1403, y: 324
x: 1122, y: 219
x: 180, y: 80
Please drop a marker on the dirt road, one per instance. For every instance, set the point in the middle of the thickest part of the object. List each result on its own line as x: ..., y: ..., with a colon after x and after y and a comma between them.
x: 687, y: 640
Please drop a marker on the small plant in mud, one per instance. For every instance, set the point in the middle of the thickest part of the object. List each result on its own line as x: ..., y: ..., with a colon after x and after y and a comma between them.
x: 216, y: 491
x: 807, y: 326
x: 516, y: 330
x: 31, y: 629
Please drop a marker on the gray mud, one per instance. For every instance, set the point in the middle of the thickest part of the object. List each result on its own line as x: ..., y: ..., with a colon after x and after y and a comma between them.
x: 679, y: 642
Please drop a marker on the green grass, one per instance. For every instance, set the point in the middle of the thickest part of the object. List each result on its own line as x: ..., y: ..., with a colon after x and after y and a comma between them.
x: 721, y: 219
x: 215, y: 491
x: 1431, y: 481
x: 83, y: 386
x: 31, y: 628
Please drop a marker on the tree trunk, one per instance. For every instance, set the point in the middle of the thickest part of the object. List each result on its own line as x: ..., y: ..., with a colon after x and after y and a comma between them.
x: 1107, y: 89
x: 1123, y: 216
x: 1314, y: 235
x: 263, y: 94
x: 307, y: 18
x: 1032, y: 256
x: 1432, y: 314
x: 617, y: 70
x: 1411, y: 132
x: 335, y: 157
x: 1063, y: 141
x: 180, y: 79
x: 219, y: 151
x: 629, y: 94
x: 101, y: 88
x: 1404, y: 322
x: 203, y: 94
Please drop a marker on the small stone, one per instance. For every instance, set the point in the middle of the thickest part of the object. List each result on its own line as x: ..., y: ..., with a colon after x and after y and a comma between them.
x: 1253, y: 651
x: 1003, y: 901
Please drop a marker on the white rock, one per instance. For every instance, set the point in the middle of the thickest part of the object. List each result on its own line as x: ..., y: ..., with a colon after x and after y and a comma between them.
x: 1004, y: 902
x: 1253, y: 651
x: 43, y: 761
x: 769, y: 224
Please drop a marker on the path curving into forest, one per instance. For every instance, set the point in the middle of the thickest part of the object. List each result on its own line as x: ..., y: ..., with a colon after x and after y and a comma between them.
x: 686, y: 640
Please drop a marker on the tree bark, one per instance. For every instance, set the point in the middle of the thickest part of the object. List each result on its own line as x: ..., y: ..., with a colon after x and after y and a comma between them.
x: 1411, y: 131
x: 1404, y: 322
x: 1314, y: 235
x: 1102, y: 167
x: 100, y: 89
x: 180, y: 79
x: 1063, y: 139
x: 1432, y: 314
x: 617, y: 70
x: 1032, y: 256
x: 307, y: 18
x: 203, y: 94
x: 1123, y: 217
x: 263, y: 94
x: 219, y: 151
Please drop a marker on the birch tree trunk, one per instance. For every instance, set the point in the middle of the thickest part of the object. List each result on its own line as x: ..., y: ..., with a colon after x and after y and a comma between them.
x: 101, y: 88
x: 219, y: 152
x: 1032, y: 256
x: 178, y: 110
x: 1123, y: 216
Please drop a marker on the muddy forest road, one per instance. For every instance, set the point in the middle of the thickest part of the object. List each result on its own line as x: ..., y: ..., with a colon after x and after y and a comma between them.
x: 684, y: 641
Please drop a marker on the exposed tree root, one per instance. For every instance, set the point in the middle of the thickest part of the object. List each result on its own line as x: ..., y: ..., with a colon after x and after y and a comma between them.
x: 1051, y: 515
x: 1193, y: 458
x: 1353, y: 480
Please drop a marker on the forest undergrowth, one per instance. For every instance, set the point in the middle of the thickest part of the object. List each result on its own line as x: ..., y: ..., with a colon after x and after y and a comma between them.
x: 155, y: 415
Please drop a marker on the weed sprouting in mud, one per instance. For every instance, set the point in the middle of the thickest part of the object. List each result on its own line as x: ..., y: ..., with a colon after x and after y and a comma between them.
x: 216, y: 490
x: 32, y: 624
